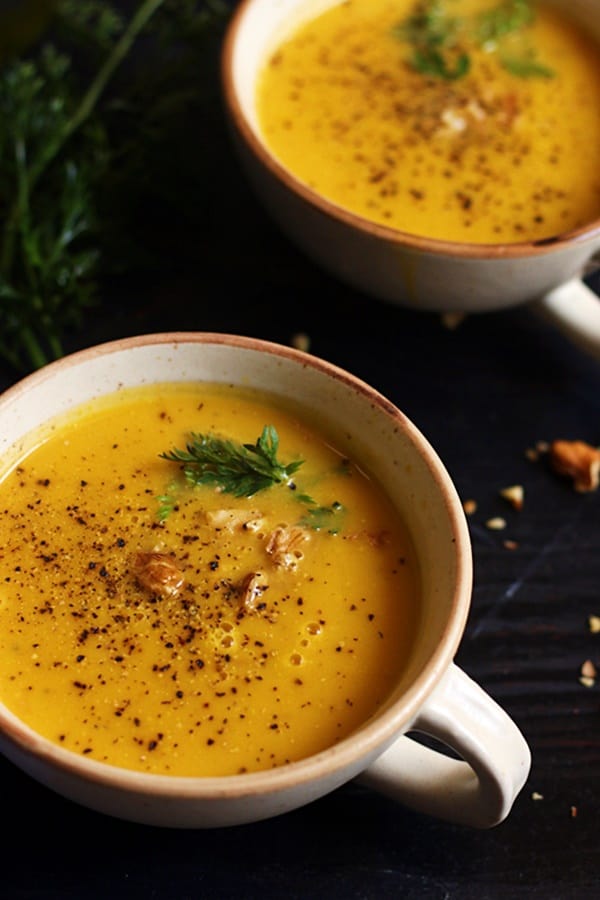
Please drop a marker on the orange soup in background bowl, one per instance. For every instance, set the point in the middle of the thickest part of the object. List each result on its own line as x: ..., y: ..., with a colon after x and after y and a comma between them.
x: 442, y: 154
x: 233, y: 578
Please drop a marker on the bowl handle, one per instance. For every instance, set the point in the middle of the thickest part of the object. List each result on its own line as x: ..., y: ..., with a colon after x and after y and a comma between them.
x: 575, y: 309
x: 477, y: 790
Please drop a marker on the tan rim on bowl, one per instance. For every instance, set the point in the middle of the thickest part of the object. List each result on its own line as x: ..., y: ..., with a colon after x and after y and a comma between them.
x: 248, y: 133
x: 175, y: 353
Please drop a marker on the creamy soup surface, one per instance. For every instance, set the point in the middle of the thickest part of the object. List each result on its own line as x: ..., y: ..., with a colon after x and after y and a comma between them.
x: 463, y: 120
x: 175, y: 628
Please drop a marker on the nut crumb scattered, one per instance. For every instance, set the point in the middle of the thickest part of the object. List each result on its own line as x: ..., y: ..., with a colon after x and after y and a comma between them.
x: 510, y: 545
x: 586, y: 681
x: 496, y: 524
x: 588, y: 669
x: 514, y: 494
x: 578, y: 461
x: 594, y: 624
x: 452, y: 320
x: 573, y: 812
x: 301, y: 341
x: 470, y: 507
x: 537, y: 796
x: 540, y: 448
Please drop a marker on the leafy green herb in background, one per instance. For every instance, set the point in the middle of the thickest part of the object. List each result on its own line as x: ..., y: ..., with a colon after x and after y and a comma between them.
x: 87, y: 129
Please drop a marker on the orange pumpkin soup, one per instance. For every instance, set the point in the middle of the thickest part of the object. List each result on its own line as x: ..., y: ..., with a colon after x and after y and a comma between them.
x: 194, y: 581
x: 463, y: 120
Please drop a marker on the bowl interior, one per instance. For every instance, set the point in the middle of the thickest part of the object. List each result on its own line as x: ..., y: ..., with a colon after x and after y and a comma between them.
x: 260, y: 26
x: 363, y: 424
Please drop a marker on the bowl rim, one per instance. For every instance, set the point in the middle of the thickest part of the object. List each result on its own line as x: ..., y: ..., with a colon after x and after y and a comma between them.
x: 329, y: 209
x: 374, y: 735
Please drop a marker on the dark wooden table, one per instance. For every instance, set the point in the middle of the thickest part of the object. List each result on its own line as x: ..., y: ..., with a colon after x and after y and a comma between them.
x: 483, y: 393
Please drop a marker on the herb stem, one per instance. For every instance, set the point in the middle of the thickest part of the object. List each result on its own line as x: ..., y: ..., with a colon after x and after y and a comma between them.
x: 83, y: 111
x: 32, y: 345
x: 94, y: 91
x: 20, y: 205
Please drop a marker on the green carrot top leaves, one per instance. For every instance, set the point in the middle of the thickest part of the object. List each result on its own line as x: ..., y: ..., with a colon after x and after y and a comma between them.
x: 85, y: 120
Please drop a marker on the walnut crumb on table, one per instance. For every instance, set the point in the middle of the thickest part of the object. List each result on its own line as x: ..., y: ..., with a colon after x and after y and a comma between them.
x: 515, y: 494
x: 594, y: 624
x: 588, y: 674
x: 497, y: 523
x: 576, y: 460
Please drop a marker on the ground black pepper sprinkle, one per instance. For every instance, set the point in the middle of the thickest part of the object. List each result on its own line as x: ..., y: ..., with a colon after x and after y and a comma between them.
x: 187, y: 651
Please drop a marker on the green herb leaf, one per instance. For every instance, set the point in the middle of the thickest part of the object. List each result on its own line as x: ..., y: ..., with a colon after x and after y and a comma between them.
x: 238, y: 469
x: 508, y: 17
x: 431, y: 62
x: 526, y: 67
x: 440, y: 42
x: 429, y: 26
x: 433, y: 35
x: 324, y: 518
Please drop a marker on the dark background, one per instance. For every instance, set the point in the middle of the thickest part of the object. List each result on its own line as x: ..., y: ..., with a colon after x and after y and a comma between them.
x: 482, y: 393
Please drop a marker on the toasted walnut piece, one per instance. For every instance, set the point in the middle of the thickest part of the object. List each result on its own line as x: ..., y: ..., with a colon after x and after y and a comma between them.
x: 577, y: 460
x: 594, y: 624
x: 251, y: 589
x: 514, y: 494
x: 470, y: 507
x: 283, y: 545
x: 158, y: 573
x: 232, y: 519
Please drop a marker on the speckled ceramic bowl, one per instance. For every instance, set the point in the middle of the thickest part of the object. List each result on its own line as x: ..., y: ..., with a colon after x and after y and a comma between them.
x: 433, y: 694
x: 389, y: 264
